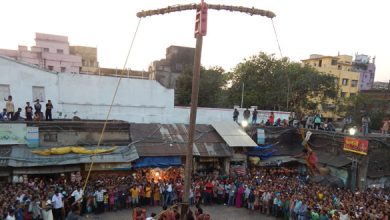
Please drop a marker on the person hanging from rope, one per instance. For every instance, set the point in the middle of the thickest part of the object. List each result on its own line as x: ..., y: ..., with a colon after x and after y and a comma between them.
x: 309, y: 154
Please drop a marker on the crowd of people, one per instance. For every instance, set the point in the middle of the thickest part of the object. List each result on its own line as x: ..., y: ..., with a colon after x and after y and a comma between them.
x: 10, y: 114
x: 309, y: 121
x: 280, y: 192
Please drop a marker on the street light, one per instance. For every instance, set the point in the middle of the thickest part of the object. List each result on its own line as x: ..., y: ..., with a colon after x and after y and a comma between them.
x: 352, y: 131
x: 244, y: 123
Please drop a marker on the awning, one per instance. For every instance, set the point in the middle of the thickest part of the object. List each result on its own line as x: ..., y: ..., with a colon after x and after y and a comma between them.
x: 158, y: 161
x: 22, y: 156
x: 233, y: 134
x: 46, y: 169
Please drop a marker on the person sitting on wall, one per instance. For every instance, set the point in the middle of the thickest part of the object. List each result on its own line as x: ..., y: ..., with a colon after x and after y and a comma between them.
x: 37, y: 116
x: 16, y: 115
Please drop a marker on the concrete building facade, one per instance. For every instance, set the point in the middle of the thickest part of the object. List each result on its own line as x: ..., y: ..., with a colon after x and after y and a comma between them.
x: 341, y: 67
x: 347, y: 79
x: 90, y: 65
x: 363, y: 64
x: 168, y: 70
x: 90, y: 96
x: 50, y: 52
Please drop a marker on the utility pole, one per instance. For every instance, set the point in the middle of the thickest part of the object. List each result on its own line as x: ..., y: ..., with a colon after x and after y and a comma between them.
x: 200, y: 31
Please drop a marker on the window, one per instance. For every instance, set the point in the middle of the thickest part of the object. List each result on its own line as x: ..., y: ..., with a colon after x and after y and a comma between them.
x: 45, y: 49
x: 345, y: 82
x: 320, y: 63
x: 334, y: 62
x: 4, y: 91
x: 343, y: 94
x: 63, y: 69
x: 50, y: 67
x: 60, y: 51
x: 354, y: 83
x: 50, y: 137
x: 339, y: 67
x: 38, y: 93
x: 352, y: 94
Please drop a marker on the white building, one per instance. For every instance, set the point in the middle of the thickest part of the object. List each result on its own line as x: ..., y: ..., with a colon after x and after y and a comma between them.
x: 90, y: 96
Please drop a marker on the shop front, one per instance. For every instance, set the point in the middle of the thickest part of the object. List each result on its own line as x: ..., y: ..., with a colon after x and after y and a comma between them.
x: 210, y: 165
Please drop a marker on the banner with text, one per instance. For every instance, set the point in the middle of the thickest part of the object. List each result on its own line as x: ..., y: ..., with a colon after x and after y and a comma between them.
x: 11, y: 134
x: 355, y: 145
x: 32, y: 137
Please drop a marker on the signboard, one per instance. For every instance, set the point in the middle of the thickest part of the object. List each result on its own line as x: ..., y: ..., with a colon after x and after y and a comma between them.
x: 356, y: 145
x: 260, y: 136
x: 12, y: 134
x: 32, y: 137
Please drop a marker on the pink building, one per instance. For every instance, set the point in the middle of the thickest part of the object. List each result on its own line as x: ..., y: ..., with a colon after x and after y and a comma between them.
x: 50, y: 52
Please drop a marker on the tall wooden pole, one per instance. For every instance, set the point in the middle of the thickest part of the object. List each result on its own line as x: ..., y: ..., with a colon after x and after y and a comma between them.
x: 191, y: 131
x: 200, y: 31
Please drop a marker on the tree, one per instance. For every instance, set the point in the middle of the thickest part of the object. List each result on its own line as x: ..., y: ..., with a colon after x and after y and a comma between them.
x: 279, y: 84
x: 362, y: 104
x: 211, y: 86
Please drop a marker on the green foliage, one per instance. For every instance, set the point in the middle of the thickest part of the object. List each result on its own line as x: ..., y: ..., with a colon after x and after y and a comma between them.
x: 269, y: 82
x: 211, y: 86
x: 362, y: 104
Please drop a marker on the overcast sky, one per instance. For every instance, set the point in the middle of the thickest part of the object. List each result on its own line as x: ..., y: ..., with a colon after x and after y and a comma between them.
x: 304, y: 27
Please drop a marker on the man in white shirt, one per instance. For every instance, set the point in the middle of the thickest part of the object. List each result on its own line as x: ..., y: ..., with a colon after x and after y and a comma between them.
x: 11, y: 215
x: 168, y: 198
x: 99, y: 195
x: 57, y: 205
x: 77, y: 194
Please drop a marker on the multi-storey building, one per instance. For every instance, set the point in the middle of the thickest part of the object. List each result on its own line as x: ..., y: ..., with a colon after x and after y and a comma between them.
x: 90, y: 65
x: 342, y: 68
x: 89, y: 59
x: 50, y: 52
x: 168, y: 70
x: 363, y: 64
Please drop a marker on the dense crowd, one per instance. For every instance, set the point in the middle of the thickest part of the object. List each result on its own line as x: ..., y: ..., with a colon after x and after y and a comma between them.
x: 280, y: 192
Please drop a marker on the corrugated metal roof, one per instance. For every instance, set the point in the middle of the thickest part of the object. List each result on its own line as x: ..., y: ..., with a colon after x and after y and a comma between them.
x: 171, y: 140
x: 22, y: 156
x: 233, y: 134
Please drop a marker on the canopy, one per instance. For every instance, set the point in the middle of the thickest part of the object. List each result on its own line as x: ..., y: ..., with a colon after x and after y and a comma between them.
x: 158, y: 161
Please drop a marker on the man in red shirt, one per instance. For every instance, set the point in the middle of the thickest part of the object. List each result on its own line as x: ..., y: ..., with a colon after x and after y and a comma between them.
x: 209, y: 192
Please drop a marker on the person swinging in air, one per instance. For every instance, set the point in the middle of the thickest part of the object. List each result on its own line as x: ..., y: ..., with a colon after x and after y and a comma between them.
x: 309, y: 154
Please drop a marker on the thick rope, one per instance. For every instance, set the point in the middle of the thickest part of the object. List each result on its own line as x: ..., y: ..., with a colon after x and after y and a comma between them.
x: 109, y: 110
x: 277, y: 40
